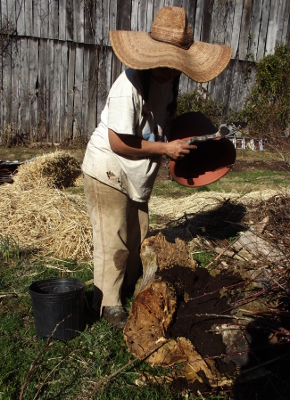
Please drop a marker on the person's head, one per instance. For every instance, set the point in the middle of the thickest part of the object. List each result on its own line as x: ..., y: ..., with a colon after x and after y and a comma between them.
x: 170, y: 47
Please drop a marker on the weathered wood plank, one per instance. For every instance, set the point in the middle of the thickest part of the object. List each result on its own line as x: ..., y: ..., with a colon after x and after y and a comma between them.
x: 281, y: 21
x: 207, y: 20
x: 122, y: 22
x: 229, y: 22
x: 217, y: 28
x: 286, y: 25
x: 43, y: 88
x: 102, y: 81
x: 79, y: 22
x: 272, y: 27
x: 89, y: 17
x: 36, y: 18
x: 44, y: 18
x: 69, y: 34
x: 149, y: 15
x: 263, y: 30
x: 24, y: 86
x: 134, y: 15
x: 63, y: 88
x: 142, y: 16
x: 7, y: 93
x: 53, y: 20
x: 55, y: 95
x: 62, y: 19
x: 237, y: 27
x: 92, y: 92
x: 33, y: 88
x: 255, y: 28
x: 68, y: 122
x: 15, y: 87
x: 198, y: 20
x: 28, y: 17
x: 78, y: 91
x: 245, y: 30
x: 99, y: 23
x: 50, y: 87
x: 19, y: 16
x: 106, y: 21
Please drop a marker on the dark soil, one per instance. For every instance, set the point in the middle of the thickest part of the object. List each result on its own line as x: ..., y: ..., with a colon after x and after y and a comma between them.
x: 198, y: 294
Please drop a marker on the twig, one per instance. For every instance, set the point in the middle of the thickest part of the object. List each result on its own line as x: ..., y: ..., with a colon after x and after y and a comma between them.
x: 219, y: 255
x: 33, y: 365
x: 146, y: 354
x: 48, y: 375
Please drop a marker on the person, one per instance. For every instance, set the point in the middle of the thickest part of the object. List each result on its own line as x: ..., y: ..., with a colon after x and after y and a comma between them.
x: 124, y: 153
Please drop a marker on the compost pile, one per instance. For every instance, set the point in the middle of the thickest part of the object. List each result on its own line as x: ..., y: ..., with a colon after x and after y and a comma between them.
x: 225, y: 327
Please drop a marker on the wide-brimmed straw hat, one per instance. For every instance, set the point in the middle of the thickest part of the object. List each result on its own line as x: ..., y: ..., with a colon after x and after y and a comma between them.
x: 170, y: 44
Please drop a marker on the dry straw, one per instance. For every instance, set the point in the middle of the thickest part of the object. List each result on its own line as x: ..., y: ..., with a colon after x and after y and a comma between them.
x: 43, y: 218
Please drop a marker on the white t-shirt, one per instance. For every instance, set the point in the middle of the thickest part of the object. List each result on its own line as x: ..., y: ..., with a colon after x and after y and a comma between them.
x: 133, y: 176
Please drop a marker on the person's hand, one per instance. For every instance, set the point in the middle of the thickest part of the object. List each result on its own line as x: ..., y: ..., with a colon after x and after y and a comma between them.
x: 177, y: 149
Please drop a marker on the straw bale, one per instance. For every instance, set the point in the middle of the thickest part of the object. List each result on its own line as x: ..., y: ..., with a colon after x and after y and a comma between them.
x: 58, y: 169
x: 46, y: 221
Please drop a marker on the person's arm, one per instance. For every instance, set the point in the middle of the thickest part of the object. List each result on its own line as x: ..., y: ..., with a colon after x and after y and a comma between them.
x: 128, y: 145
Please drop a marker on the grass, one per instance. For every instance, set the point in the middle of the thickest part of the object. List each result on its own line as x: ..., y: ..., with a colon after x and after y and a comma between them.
x: 64, y: 369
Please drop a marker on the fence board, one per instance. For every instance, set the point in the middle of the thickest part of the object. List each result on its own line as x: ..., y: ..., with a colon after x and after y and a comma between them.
x: 43, y: 88
x: 33, y: 83
x: 36, y: 18
x: 206, y: 20
x: 24, y: 92
x: 255, y: 28
x: 92, y: 92
x: 263, y: 30
x: 62, y: 19
x: 68, y: 123
x: 245, y: 30
x: 89, y: 14
x: 149, y: 15
x: 134, y: 15
x: 198, y: 20
x: 78, y: 88
x: 19, y: 16
x: 272, y: 27
x: 63, y: 88
x: 53, y: 20
x: 15, y: 72
x: 78, y: 12
x: 237, y: 27
x: 142, y: 16
x: 69, y: 34
x: 44, y: 18
x: 56, y: 93
x: 50, y: 94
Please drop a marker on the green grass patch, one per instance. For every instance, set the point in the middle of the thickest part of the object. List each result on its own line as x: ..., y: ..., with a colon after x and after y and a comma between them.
x: 203, y: 258
x: 63, y: 370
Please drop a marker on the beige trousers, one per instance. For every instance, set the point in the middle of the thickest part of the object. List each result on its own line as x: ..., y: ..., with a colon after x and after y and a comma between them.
x: 119, y: 227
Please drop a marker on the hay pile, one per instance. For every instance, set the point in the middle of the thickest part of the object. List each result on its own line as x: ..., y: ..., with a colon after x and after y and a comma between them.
x: 42, y: 218
x: 58, y: 169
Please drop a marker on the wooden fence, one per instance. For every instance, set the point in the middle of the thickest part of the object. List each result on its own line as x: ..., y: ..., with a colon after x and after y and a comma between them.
x: 57, y: 65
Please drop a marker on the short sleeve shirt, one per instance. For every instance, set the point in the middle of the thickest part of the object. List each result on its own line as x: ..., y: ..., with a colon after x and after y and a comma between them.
x: 123, y: 114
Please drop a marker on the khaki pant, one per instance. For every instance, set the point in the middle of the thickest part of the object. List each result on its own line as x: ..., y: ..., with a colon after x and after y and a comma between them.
x: 119, y: 227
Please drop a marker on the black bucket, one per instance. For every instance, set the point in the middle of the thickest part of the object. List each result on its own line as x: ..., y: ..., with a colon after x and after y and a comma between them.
x: 58, y: 304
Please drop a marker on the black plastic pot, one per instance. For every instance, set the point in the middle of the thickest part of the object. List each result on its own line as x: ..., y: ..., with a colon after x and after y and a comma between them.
x: 58, y: 307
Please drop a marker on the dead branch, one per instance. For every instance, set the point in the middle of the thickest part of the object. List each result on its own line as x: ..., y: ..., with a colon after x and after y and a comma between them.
x: 33, y: 365
x: 159, y: 343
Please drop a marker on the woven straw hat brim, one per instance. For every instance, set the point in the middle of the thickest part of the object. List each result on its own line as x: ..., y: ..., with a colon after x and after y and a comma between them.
x: 202, y: 62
